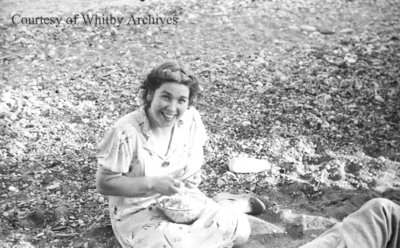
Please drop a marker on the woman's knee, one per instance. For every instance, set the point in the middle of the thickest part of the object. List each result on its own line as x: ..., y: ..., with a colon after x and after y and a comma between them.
x: 377, y: 204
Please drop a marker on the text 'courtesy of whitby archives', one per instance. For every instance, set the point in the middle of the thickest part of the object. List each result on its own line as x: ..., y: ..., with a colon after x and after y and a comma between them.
x: 96, y: 20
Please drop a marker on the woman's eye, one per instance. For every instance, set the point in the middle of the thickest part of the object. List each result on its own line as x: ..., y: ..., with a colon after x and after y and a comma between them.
x: 182, y: 101
x: 165, y: 97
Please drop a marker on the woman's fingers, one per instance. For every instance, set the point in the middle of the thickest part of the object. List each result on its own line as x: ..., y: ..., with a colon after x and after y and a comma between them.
x: 193, y: 181
x: 177, y: 183
x: 166, y: 185
x: 192, y: 184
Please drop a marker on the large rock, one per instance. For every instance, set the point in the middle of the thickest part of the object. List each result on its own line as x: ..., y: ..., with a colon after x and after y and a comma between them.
x: 260, y: 230
x: 260, y: 227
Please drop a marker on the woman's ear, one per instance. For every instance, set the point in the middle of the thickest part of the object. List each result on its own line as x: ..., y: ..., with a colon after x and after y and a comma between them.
x: 149, y: 96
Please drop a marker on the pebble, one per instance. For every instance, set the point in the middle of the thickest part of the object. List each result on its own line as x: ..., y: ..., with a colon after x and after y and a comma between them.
x: 54, y: 185
x: 40, y: 235
x: 325, y: 125
x: 246, y: 123
x: 346, y: 31
x: 308, y: 28
x: 325, y: 30
x: 351, y: 60
x: 13, y: 189
x: 379, y: 98
x: 220, y: 182
x: 101, y: 199
x: 63, y: 221
x: 294, y: 28
x: 13, y: 117
x: 106, y: 212
x: 61, y: 211
x: 261, y: 89
x: 4, y: 109
x: 52, y: 52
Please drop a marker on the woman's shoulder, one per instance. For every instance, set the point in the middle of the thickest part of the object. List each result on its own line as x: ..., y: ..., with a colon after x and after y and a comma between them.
x: 130, y: 122
x: 191, y: 115
x: 195, y: 126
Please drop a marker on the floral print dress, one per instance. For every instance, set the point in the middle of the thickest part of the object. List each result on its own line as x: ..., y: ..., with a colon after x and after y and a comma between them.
x: 128, y: 149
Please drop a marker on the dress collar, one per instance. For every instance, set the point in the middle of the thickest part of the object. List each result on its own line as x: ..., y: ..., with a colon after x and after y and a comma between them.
x: 144, y: 123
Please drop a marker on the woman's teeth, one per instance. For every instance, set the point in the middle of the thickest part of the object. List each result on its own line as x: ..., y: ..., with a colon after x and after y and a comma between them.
x: 168, y: 116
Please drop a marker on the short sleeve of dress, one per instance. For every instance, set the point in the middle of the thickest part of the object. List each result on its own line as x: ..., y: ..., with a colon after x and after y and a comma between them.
x: 116, y: 150
x: 198, y: 131
x: 198, y: 138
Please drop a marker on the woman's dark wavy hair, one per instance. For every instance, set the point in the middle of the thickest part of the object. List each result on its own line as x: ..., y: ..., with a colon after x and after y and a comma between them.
x: 170, y: 72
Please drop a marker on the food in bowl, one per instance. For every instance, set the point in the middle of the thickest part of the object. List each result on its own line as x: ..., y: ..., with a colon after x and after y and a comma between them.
x: 182, y: 207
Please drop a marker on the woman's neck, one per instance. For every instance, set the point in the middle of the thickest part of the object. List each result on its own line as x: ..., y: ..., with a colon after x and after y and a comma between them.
x: 162, y: 139
x: 162, y: 136
x: 162, y: 131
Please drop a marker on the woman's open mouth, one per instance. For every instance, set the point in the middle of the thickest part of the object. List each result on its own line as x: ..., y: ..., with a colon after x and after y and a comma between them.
x: 168, y: 117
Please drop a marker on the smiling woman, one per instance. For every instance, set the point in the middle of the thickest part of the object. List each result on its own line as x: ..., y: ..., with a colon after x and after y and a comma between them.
x: 168, y: 104
x: 157, y: 151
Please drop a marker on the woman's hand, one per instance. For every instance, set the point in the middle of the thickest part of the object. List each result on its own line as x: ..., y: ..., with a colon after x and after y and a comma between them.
x: 166, y: 185
x: 193, y: 181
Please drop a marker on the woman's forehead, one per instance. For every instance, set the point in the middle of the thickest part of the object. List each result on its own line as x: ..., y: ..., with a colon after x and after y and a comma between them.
x: 174, y: 89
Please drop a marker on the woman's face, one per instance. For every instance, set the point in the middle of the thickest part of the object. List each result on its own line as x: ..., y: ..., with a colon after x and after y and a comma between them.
x: 167, y: 104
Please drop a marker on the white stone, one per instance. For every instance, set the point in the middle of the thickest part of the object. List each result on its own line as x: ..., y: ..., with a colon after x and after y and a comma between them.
x: 53, y: 186
x: 249, y: 165
x: 346, y: 31
x: 294, y: 28
x: 13, y: 189
x: 246, y: 123
x: 308, y: 28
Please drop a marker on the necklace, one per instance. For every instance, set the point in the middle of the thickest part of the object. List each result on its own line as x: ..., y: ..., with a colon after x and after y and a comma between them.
x: 165, y: 164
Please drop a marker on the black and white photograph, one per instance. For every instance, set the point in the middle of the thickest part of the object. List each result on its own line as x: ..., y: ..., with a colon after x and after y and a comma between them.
x: 200, y: 124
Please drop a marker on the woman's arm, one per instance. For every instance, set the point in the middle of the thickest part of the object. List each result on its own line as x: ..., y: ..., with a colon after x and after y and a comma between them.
x: 192, y: 176
x: 115, y: 155
x: 198, y: 137
x: 121, y: 185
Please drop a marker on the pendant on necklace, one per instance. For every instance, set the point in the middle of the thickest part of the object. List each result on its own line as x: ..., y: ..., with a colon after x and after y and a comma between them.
x: 165, y: 164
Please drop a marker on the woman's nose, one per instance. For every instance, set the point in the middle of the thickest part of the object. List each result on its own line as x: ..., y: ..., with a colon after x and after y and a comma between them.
x: 172, y: 105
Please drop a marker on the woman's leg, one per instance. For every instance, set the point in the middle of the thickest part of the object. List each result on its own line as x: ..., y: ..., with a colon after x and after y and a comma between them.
x: 223, y: 226
x: 375, y: 225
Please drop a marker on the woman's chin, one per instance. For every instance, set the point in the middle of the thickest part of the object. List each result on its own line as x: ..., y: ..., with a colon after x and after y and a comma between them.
x: 167, y: 123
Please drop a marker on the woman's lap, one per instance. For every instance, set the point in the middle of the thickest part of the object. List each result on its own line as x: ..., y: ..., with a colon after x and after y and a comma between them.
x: 216, y: 227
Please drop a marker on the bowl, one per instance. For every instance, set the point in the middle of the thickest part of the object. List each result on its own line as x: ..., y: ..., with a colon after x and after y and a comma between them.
x: 182, y: 208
